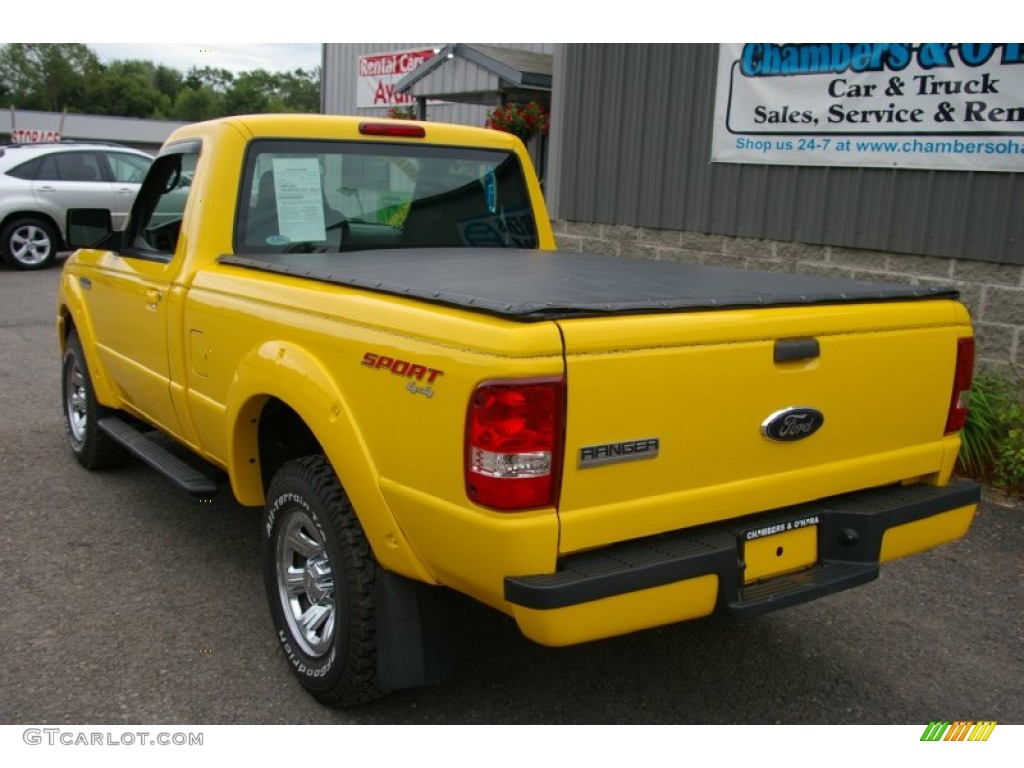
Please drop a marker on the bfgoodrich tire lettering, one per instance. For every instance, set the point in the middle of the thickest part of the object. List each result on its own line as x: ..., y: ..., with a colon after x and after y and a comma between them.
x: 319, y: 573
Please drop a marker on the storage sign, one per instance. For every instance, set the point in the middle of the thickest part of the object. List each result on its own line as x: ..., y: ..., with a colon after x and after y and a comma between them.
x: 955, y: 106
x: 34, y: 136
x: 379, y: 73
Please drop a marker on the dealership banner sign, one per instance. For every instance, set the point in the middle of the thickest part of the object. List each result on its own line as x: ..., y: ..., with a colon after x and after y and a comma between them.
x: 955, y: 106
x: 379, y: 73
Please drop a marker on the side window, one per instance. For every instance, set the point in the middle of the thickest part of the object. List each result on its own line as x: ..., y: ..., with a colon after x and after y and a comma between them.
x: 155, y: 221
x: 28, y: 170
x: 47, y: 170
x: 128, y: 169
x: 78, y: 166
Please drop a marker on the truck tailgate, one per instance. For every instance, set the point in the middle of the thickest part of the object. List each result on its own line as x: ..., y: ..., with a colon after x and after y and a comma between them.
x: 667, y: 413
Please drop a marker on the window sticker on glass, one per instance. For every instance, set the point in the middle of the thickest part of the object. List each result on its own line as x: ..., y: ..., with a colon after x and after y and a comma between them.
x: 300, y: 207
x: 491, y: 192
x: 508, y: 229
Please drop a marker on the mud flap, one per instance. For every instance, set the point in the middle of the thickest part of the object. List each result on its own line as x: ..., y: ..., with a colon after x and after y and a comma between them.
x: 416, y: 632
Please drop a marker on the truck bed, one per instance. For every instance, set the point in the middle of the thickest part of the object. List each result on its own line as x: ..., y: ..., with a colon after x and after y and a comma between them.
x: 527, y: 285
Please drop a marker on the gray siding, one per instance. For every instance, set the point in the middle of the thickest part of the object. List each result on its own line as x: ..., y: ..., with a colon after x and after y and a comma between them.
x: 341, y: 62
x: 459, y: 76
x: 631, y: 134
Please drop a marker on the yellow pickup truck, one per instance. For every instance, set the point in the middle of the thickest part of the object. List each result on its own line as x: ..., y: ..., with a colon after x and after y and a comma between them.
x: 364, y: 325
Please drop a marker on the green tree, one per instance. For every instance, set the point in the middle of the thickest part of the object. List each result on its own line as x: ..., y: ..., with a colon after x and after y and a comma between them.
x: 251, y: 93
x: 300, y: 90
x: 217, y: 80
x: 197, y: 104
x: 168, y: 81
x: 49, y: 77
x: 260, y: 91
x: 54, y: 77
x: 128, y: 88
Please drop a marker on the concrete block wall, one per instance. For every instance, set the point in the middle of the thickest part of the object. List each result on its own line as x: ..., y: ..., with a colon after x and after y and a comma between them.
x: 994, y: 293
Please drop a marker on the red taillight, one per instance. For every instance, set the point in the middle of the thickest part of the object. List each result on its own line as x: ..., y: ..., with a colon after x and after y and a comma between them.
x: 407, y: 130
x: 961, y: 385
x: 514, y: 444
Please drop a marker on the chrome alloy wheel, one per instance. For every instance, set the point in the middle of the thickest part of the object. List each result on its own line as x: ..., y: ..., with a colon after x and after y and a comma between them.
x: 30, y: 245
x: 305, y: 584
x: 75, y: 403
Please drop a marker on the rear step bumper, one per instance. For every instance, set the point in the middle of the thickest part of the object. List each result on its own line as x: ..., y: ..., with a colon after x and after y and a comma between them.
x: 850, y: 533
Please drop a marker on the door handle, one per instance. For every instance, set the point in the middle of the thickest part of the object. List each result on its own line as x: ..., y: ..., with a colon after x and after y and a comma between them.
x: 153, y: 297
x: 788, y: 350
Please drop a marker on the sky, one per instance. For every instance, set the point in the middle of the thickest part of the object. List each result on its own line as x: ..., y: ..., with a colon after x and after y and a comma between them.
x: 234, y: 57
x: 299, y: 26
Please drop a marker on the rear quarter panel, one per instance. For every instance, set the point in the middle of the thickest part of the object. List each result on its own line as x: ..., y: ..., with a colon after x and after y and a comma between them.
x: 393, y: 431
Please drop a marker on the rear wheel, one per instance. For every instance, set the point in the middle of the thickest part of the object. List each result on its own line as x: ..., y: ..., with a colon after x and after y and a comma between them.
x: 29, y: 243
x: 320, y: 573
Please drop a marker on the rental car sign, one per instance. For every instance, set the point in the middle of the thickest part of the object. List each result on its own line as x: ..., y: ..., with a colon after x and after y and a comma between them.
x: 380, y: 72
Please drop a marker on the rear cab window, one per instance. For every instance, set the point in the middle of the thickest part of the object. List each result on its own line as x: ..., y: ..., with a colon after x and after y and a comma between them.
x: 329, y: 197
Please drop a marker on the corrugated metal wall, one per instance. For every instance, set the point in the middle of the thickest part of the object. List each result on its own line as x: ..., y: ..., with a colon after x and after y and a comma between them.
x: 341, y: 62
x: 632, y: 145
x: 460, y: 76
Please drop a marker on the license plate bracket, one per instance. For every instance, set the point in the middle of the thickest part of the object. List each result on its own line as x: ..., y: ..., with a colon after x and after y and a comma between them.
x: 778, y: 548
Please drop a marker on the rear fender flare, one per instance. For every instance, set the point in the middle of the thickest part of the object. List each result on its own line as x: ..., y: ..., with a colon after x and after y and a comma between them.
x: 293, y: 375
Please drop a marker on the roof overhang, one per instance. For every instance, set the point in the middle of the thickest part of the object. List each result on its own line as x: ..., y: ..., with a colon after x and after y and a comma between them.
x: 480, y: 74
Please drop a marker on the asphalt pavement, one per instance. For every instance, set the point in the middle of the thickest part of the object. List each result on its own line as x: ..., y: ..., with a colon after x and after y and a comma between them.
x: 127, y: 601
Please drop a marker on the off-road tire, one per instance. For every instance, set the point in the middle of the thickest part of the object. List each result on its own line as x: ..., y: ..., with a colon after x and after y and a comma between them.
x: 309, y: 523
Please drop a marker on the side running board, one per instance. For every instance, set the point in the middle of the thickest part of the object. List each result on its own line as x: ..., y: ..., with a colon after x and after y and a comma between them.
x: 158, y: 457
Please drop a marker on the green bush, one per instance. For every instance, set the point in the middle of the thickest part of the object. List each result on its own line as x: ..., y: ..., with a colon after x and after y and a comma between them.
x: 992, y: 441
x: 1010, y: 459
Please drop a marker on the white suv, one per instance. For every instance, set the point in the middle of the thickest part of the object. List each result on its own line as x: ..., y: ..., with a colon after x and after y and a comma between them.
x: 39, y: 182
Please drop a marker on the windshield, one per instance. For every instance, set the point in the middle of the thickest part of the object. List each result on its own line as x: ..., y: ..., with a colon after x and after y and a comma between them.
x: 322, y: 196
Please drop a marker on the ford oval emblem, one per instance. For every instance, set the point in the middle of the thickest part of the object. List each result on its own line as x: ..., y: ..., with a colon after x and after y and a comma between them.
x: 791, y: 424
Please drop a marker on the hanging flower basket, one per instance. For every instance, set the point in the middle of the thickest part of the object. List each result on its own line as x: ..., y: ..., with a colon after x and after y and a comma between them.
x: 407, y: 112
x: 524, y: 121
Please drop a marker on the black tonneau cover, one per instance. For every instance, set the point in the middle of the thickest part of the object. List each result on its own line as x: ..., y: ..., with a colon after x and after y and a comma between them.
x: 547, y: 285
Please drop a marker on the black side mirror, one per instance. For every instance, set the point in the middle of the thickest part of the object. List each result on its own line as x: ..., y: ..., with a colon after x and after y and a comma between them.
x: 92, y: 228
